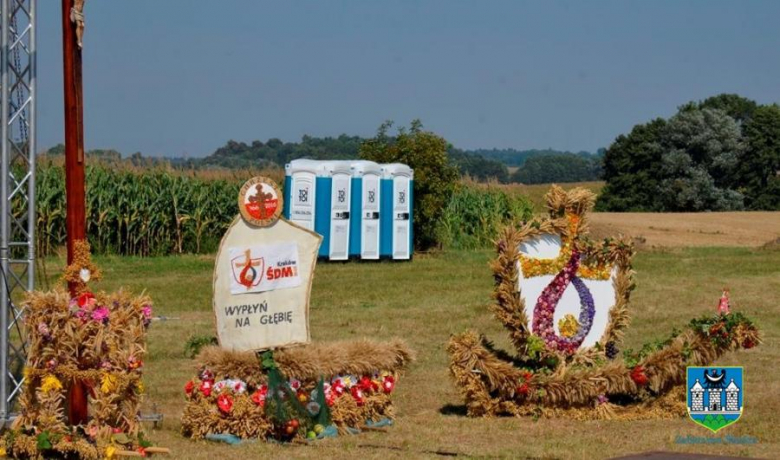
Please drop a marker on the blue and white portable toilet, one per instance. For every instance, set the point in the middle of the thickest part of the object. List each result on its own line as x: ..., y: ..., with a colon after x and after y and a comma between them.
x: 397, y: 211
x: 300, y: 192
x: 335, y: 244
x: 366, y: 195
x: 316, y: 197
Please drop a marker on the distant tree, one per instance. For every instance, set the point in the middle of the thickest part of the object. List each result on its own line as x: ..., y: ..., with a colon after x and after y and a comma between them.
x: 513, y: 157
x: 631, y: 170
x: 719, y: 154
x: 274, y: 152
x: 434, y: 177
x: 759, y: 167
x: 477, y: 167
x: 702, y: 148
x: 737, y: 107
x: 561, y: 167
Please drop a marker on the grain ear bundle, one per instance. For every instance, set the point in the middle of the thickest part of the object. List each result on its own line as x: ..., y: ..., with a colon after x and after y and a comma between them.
x: 571, y: 367
x: 91, y: 342
x: 94, y: 340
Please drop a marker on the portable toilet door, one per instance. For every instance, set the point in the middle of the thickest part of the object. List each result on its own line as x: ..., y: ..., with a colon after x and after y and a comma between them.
x: 340, y: 173
x: 398, y: 182
x: 300, y: 190
x: 366, y: 201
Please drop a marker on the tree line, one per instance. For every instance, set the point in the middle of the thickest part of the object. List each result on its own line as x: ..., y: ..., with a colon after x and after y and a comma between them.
x: 529, y: 166
x: 719, y: 154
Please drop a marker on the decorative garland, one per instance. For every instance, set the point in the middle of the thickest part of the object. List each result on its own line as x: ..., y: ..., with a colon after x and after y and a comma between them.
x: 550, y: 374
x: 237, y: 394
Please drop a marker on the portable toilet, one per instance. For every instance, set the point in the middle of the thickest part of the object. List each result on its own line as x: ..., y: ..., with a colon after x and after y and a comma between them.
x: 335, y: 244
x: 397, y: 211
x: 317, y: 197
x: 300, y: 192
x: 366, y: 194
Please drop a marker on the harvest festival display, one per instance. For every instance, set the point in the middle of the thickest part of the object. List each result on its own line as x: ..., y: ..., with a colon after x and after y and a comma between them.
x: 266, y: 380
x: 566, y: 361
x: 93, y: 341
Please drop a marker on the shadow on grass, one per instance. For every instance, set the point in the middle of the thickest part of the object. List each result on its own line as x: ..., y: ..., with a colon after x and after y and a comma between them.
x: 454, y: 409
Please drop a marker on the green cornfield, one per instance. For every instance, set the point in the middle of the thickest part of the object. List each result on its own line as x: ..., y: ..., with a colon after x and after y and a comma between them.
x: 140, y: 213
x: 476, y: 214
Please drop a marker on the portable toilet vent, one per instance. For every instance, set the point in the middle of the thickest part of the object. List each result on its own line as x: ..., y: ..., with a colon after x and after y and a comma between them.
x: 365, y: 214
x: 397, y: 211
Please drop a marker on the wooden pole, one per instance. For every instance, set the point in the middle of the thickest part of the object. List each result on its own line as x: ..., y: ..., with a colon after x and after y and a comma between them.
x: 75, y: 219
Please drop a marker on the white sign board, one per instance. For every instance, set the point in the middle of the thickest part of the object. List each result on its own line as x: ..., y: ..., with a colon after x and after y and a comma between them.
x: 262, y: 281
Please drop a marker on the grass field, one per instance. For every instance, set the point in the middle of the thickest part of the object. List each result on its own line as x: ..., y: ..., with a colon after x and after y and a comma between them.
x: 435, y: 296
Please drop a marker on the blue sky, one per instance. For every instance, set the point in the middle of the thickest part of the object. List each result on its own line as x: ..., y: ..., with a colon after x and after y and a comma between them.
x: 181, y: 77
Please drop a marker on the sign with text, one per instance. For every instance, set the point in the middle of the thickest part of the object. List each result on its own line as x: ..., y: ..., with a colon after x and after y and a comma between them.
x: 262, y: 281
x: 264, y: 268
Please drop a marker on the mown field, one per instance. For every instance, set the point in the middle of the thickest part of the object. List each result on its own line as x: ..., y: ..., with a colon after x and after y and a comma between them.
x: 434, y: 296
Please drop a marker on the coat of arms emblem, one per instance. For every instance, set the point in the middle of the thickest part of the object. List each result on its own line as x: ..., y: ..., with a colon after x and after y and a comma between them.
x: 715, y: 396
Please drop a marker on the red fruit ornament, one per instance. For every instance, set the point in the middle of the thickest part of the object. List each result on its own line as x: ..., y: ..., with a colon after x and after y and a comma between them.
x: 357, y: 394
x: 205, y: 387
x: 366, y: 384
x: 523, y: 389
x: 225, y: 403
x: 258, y: 397
x: 338, y: 388
x: 638, y: 376
x: 86, y: 299
x: 388, y: 384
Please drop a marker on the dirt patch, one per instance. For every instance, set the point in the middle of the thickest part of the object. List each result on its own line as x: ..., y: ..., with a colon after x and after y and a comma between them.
x: 747, y: 229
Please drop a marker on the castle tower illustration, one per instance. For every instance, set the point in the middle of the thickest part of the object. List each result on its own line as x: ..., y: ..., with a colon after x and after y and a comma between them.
x: 715, y: 382
x: 732, y: 397
x: 697, y: 397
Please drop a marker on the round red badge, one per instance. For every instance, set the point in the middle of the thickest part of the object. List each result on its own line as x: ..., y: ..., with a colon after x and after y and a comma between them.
x: 260, y: 201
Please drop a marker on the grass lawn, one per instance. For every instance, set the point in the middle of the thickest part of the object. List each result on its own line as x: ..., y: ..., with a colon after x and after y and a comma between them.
x: 435, y: 296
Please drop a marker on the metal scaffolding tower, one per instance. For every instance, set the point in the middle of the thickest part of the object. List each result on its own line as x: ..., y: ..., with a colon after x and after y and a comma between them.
x: 17, y: 189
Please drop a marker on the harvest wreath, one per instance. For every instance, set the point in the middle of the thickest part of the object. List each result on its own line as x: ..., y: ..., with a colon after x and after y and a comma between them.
x: 95, y: 340
x: 570, y: 367
x: 312, y: 391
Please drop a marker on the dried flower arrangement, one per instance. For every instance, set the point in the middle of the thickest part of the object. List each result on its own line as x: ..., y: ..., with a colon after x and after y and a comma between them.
x: 96, y: 340
x: 551, y: 373
x: 310, y: 392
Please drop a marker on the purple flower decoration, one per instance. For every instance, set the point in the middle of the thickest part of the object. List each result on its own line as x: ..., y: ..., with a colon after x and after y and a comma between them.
x: 603, y: 399
x: 548, y: 301
x: 100, y: 314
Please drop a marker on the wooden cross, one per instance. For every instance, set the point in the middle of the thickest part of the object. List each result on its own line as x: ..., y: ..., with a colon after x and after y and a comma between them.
x: 75, y: 220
